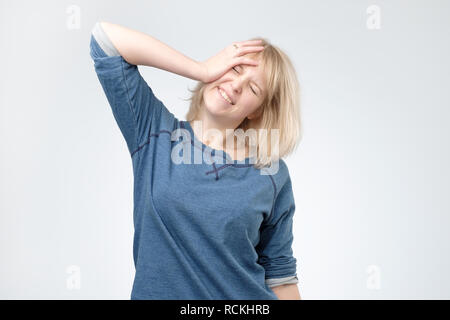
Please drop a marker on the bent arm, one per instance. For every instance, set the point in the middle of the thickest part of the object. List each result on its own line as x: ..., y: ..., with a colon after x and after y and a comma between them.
x: 141, y: 49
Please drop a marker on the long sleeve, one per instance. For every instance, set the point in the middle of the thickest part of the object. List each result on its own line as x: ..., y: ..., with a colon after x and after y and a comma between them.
x: 275, y: 246
x: 132, y: 101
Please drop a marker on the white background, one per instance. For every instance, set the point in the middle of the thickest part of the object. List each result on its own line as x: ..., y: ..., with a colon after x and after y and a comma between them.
x: 371, y: 175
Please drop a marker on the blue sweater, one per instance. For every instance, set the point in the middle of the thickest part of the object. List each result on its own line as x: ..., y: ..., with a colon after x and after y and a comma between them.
x: 210, y: 230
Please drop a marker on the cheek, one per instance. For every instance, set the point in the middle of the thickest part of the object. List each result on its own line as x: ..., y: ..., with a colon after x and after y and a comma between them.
x: 211, y: 91
x: 208, y: 94
x: 250, y: 104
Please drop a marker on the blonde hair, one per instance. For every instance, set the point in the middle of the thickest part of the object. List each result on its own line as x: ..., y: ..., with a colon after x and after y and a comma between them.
x: 280, y: 107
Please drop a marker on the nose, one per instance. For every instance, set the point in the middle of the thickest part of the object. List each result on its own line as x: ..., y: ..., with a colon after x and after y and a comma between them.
x: 236, y: 84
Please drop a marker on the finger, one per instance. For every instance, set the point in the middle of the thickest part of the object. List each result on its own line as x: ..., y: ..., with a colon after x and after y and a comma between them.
x: 249, y: 43
x: 248, y: 61
x: 245, y: 50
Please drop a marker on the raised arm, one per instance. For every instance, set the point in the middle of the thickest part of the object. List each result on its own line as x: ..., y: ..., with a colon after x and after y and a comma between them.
x: 136, y: 108
x: 139, y: 48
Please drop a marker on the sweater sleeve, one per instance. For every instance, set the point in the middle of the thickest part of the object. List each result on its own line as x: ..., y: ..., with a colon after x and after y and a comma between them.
x: 135, y: 107
x: 274, y: 249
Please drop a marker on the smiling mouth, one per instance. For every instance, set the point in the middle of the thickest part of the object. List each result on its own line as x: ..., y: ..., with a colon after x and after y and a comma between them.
x: 224, y: 96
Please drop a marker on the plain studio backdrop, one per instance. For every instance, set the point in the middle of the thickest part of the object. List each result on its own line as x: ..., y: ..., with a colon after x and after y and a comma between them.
x: 370, y: 177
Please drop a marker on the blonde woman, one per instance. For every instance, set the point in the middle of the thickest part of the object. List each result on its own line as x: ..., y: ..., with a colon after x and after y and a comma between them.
x: 219, y: 228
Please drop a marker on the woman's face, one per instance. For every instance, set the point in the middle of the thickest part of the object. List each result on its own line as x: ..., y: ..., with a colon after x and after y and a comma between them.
x: 244, y: 85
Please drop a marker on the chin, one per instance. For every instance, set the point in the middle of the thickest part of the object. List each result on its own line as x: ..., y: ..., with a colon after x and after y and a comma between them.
x: 215, y: 111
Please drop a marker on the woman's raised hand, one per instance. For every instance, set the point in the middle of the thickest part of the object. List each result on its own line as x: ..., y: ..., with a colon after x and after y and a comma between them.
x: 232, y: 55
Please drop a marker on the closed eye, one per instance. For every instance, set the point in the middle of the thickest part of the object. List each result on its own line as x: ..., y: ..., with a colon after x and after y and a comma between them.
x: 234, y: 68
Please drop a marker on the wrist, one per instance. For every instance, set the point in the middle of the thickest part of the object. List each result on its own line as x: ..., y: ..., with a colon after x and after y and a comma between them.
x: 202, y: 71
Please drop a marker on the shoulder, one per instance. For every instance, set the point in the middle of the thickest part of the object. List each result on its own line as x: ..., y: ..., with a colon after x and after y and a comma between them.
x: 278, y: 174
x: 283, y: 198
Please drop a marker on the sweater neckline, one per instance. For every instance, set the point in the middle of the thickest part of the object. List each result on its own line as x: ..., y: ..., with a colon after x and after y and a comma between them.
x: 214, y: 152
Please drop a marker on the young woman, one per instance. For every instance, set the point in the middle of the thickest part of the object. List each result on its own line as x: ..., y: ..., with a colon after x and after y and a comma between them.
x: 221, y: 228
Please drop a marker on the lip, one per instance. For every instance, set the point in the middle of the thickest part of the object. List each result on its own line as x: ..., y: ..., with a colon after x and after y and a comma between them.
x: 228, y: 94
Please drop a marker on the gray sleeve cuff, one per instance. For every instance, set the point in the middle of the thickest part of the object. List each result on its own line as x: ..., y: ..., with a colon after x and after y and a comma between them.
x: 279, y: 281
x: 103, y: 41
